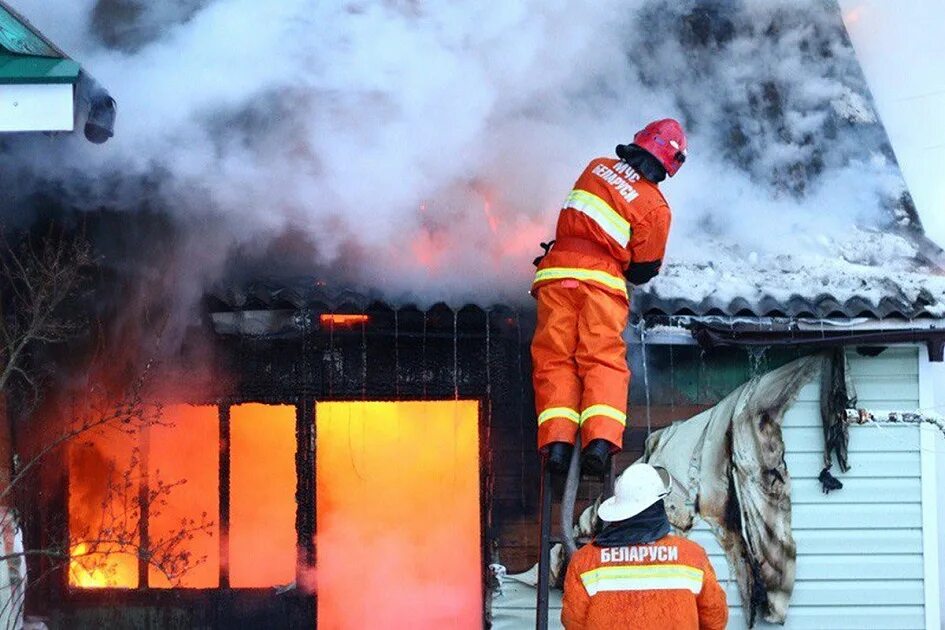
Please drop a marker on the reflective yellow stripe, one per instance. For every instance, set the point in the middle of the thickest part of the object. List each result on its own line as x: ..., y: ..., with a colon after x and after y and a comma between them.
x: 601, y: 277
x: 602, y: 214
x: 653, y: 577
x: 604, y: 410
x: 559, y: 412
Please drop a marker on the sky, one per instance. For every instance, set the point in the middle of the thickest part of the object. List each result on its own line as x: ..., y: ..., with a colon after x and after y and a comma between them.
x: 901, y: 47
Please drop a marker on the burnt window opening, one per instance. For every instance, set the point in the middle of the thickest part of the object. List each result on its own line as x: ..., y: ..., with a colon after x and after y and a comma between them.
x: 145, y: 490
x: 402, y: 356
x: 248, y: 536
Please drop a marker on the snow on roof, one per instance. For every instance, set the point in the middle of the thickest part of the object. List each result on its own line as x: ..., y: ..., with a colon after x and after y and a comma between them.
x: 881, y: 278
x: 807, y: 213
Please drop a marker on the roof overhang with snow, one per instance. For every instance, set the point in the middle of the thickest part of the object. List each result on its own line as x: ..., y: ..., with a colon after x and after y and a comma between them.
x: 878, y: 274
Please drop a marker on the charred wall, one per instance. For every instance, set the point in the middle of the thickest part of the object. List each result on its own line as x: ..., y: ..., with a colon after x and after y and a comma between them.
x: 276, y: 343
x: 407, y: 353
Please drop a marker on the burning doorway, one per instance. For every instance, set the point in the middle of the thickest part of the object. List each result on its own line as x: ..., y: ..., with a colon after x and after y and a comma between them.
x: 398, y: 515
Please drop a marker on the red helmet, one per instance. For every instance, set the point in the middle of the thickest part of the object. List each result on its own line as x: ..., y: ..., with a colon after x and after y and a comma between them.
x: 666, y: 141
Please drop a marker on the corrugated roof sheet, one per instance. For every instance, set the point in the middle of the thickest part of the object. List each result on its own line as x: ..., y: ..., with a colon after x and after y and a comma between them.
x: 297, y: 293
x: 822, y: 306
x: 303, y: 293
x: 275, y: 309
x: 732, y: 284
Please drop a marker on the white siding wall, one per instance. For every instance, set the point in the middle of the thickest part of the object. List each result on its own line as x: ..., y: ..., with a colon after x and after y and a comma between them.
x: 36, y: 107
x: 860, y: 561
x: 860, y: 549
x: 932, y: 398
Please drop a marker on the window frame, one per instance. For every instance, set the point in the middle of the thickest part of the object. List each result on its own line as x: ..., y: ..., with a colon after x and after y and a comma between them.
x: 306, y: 512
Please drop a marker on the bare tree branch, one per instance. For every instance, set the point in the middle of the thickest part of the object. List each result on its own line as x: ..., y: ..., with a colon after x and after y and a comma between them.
x: 40, y: 277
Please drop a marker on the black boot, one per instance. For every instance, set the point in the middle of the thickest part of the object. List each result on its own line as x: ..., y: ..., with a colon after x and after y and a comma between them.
x: 595, y: 458
x: 558, y: 457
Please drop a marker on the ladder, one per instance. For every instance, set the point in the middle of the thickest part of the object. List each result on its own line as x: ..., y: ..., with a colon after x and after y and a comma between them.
x: 547, y: 540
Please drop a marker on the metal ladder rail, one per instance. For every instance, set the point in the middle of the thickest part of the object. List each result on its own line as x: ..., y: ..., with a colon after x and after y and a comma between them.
x: 544, y: 550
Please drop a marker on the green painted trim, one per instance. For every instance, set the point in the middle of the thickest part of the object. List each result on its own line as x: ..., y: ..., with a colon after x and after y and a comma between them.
x: 18, y: 36
x: 24, y: 69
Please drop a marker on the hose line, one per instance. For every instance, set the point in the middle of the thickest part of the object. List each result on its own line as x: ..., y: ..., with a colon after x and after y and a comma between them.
x: 569, y: 498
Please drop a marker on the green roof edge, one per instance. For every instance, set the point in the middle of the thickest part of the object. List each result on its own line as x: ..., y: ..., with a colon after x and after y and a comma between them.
x: 22, y: 20
x: 27, y: 69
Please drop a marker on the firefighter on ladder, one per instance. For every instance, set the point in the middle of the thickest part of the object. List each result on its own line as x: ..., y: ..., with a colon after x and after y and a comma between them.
x: 612, y: 230
x: 635, y: 573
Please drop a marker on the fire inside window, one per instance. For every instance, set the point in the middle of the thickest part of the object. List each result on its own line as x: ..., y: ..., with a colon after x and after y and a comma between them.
x: 380, y: 528
x: 338, y: 320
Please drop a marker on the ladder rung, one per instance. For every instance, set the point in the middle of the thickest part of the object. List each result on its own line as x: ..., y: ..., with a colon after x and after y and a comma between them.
x: 580, y: 541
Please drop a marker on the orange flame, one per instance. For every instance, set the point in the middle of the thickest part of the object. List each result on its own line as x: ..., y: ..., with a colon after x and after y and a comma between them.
x: 338, y: 320
x: 427, y: 249
x: 490, y: 217
x: 385, y: 529
x: 186, y: 451
x: 182, y: 476
x: 263, y: 540
x: 90, y: 568
x: 98, y: 499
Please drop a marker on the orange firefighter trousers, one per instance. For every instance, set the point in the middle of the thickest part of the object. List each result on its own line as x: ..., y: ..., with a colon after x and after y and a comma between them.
x: 579, y: 363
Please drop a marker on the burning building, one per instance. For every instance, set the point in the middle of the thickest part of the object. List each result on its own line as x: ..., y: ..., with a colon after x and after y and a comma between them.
x: 342, y: 446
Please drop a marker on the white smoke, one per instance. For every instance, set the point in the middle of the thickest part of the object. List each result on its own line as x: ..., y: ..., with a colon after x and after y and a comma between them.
x: 424, y: 148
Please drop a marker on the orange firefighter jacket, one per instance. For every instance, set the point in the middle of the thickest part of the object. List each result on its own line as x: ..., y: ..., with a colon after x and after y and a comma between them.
x: 612, y: 218
x: 665, y: 584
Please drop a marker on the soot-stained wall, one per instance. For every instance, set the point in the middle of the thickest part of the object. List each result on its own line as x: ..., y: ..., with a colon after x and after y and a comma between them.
x: 440, y: 353
x: 277, y: 349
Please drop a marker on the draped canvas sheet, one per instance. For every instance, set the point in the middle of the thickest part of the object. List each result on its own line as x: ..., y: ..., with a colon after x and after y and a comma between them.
x: 729, y: 469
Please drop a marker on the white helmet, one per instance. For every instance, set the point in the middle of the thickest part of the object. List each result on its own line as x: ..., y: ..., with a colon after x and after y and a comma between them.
x: 639, y: 487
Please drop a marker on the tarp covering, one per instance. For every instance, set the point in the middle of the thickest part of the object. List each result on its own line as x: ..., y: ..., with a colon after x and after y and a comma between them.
x: 728, y: 464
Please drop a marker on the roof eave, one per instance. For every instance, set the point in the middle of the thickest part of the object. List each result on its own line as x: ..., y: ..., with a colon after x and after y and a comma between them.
x: 745, y: 332
x: 934, y: 339
x: 35, y: 70
x: 25, y: 22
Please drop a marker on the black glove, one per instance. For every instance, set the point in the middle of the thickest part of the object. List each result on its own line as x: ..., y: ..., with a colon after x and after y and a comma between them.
x: 547, y: 248
x: 643, y: 272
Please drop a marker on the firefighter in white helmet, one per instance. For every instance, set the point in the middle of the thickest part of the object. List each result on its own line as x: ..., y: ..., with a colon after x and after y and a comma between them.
x: 636, y: 574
